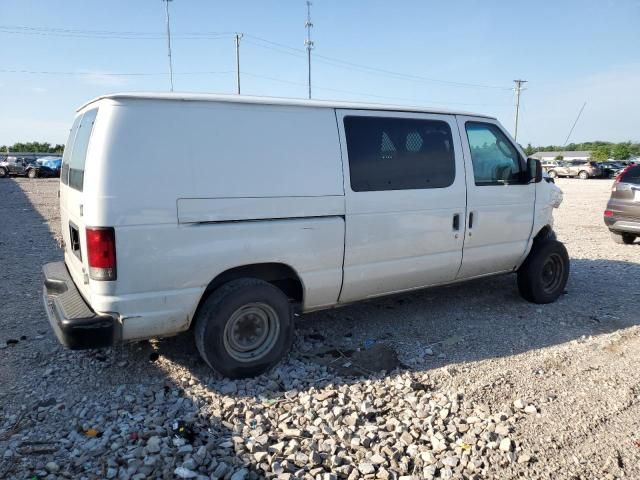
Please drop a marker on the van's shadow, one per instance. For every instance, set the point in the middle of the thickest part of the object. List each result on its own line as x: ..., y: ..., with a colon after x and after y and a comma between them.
x: 465, y: 322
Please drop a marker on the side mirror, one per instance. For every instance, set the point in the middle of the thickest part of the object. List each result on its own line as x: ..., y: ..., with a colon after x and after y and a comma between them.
x: 534, y: 170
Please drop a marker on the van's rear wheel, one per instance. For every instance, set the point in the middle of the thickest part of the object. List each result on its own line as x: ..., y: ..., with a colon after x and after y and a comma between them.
x: 543, y: 276
x: 244, y: 328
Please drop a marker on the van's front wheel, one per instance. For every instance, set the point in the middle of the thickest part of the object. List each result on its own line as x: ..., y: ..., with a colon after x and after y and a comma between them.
x: 244, y: 328
x: 544, y: 274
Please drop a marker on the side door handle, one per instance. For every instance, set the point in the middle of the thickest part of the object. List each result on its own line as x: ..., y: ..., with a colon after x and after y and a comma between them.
x: 470, y: 220
x: 456, y: 222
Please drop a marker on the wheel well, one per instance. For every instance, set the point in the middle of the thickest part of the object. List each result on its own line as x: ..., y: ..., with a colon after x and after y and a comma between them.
x: 278, y: 274
x: 545, y: 233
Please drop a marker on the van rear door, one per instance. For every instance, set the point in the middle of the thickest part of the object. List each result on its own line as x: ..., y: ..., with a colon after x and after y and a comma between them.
x: 71, y: 198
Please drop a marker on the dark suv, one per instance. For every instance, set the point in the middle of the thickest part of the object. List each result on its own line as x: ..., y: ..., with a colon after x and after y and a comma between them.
x: 18, y: 166
x: 622, y: 215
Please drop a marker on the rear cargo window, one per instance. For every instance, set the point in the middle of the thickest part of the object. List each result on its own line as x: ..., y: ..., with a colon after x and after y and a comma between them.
x: 78, y: 153
x: 632, y: 175
x: 399, y: 153
x: 64, y: 170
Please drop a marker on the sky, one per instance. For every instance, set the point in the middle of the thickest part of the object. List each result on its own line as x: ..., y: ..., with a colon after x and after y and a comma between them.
x: 457, y: 55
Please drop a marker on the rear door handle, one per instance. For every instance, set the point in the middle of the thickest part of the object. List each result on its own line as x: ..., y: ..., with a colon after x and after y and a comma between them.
x: 470, y: 220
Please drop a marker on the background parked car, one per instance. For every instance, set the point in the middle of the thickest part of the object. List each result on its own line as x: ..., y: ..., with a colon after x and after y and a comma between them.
x: 609, y: 169
x: 575, y: 168
x: 617, y: 168
x: 19, y: 166
x: 622, y: 215
x: 52, y: 166
x: 549, y: 165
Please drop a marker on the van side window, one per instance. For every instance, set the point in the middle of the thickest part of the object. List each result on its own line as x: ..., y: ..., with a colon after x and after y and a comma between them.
x: 495, y: 160
x: 66, y: 156
x: 79, y: 151
x: 399, y: 153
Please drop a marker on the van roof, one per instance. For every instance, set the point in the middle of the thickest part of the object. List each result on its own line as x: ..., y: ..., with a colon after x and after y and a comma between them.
x: 210, y: 97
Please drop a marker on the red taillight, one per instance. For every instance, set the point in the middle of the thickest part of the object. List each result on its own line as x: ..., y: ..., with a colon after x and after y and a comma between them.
x: 101, y: 253
x: 608, y: 213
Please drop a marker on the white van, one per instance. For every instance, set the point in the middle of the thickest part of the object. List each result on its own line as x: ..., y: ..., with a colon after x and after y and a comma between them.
x: 228, y: 214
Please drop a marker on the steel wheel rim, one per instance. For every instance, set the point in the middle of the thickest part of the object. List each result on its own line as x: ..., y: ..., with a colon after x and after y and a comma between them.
x: 552, y: 273
x: 251, y: 332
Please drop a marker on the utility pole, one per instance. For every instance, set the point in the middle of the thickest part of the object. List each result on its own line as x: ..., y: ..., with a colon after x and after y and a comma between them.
x: 238, y: 37
x: 309, y: 43
x: 169, y: 43
x: 518, y: 89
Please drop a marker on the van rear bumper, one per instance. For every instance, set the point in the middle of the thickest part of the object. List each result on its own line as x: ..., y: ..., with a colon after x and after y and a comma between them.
x: 74, y: 323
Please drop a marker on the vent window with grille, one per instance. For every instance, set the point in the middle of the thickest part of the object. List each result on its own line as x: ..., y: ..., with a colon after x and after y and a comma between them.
x: 390, y: 153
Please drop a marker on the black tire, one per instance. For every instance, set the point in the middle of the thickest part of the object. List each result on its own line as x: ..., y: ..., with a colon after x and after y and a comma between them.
x: 32, y: 173
x: 3, y: 172
x: 552, y: 174
x: 623, y: 238
x: 583, y: 175
x: 218, y: 325
x: 543, y: 276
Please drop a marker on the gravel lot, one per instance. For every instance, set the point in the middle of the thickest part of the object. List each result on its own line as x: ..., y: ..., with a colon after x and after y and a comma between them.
x: 483, y: 384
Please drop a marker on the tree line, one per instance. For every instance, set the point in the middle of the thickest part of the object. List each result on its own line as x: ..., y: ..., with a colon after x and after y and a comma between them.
x: 38, y: 147
x: 600, y: 151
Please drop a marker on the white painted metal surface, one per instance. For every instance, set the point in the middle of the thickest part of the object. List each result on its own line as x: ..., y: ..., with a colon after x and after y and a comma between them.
x: 275, y: 101
x: 197, y: 210
x: 401, y: 239
x: 502, y: 218
x: 196, y: 185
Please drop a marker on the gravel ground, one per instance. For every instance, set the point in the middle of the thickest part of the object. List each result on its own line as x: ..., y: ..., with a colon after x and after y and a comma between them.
x: 479, y: 383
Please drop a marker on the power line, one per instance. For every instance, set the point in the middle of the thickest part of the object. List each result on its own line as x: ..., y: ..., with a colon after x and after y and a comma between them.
x: 264, y: 43
x: 114, y: 74
x: 368, y: 95
x: 254, y: 40
x: 293, y: 52
x: 66, y: 32
x: 250, y: 74
x: 286, y: 49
